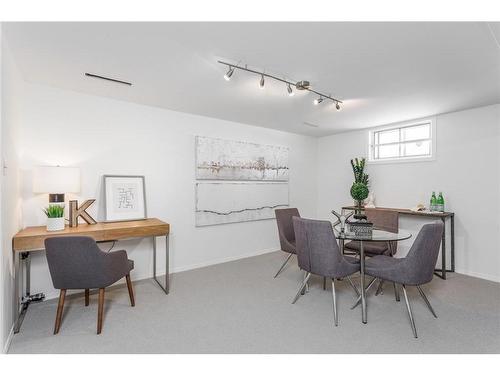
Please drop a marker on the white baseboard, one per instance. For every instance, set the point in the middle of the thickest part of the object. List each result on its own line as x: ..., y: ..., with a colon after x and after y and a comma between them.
x: 221, y: 260
x: 54, y: 295
x: 9, y: 340
x: 495, y: 278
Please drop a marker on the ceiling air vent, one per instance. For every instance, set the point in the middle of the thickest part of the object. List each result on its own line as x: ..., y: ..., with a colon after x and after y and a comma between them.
x: 108, y: 79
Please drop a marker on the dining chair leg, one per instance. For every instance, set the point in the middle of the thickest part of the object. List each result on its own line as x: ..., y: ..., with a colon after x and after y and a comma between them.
x: 324, y: 283
x: 100, y: 310
x: 358, y: 301
x: 60, y: 306
x: 130, y: 290
x: 408, y: 307
x: 396, y: 291
x: 302, y: 286
x: 87, y: 297
x: 306, y: 289
x: 335, y: 314
x: 380, y: 289
x: 353, y: 286
x: 426, y: 301
x: 283, y: 265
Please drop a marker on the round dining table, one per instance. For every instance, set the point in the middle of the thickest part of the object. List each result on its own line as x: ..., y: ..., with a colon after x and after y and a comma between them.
x: 376, y: 236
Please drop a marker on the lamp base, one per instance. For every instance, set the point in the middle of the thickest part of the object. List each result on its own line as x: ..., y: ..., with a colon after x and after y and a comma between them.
x: 56, y: 198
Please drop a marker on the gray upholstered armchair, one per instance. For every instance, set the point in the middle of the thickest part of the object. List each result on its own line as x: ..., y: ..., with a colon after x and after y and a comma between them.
x: 416, y: 269
x: 318, y: 253
x: 286, y: 234
x: 76, y: 262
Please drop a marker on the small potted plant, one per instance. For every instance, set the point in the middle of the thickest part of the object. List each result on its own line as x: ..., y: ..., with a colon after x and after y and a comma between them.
x: 55, y: 217
x: 359, y: 189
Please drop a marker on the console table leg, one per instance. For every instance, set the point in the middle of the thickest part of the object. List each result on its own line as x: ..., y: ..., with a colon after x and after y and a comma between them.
x: 443, y: 251
x: 452, y: 223
x: 165, y: 288
x: 22, y: 299
x: 167, y: 264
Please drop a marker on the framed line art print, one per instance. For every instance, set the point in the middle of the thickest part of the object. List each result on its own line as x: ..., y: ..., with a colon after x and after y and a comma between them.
x: 124, y: 198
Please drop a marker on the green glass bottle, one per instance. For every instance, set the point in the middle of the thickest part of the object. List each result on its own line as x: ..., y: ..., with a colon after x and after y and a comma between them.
x: 433, y: 205
x: 440, y: 202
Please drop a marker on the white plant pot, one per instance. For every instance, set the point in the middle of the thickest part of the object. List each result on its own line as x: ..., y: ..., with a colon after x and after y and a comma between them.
x: 55, y: 223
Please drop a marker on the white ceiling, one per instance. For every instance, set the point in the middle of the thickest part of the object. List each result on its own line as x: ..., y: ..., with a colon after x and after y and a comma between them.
x: 384, y: 72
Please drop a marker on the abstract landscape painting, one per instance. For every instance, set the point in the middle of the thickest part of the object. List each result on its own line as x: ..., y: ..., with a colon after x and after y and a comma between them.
x: 219, y: 159
x: 230, y: 202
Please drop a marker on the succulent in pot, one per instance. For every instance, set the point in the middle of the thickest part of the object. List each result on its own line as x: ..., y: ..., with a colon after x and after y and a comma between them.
x: 55, y: 217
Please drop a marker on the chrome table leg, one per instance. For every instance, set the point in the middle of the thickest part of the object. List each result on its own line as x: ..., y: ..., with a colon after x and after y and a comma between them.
x: 363, y: 292
x: 353, y: 286
x: 358, y: 301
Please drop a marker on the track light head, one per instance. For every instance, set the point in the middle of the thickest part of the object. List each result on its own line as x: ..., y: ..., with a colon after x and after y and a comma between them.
x: 337, y: 105
x: 318, y: 100
x: 289, y: 89
x: 261, y: 83
x: 229, y: 73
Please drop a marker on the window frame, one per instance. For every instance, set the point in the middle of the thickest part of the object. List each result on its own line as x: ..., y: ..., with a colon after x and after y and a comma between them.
x: 402, y: 159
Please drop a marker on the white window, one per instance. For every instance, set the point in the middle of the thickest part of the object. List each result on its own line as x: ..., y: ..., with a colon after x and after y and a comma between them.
x: 403, y: 142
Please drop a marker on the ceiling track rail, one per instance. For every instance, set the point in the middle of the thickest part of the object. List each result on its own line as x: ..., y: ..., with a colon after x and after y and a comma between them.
x: 296, y: 84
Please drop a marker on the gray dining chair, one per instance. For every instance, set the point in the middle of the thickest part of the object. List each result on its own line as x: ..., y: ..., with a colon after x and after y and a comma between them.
x: 76, y: 262
x: 387, y: 220
x: 416, y: 269
x: 286, y: 234
x: 318, y: 253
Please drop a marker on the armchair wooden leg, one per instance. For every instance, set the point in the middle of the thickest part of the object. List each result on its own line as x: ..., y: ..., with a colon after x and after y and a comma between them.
x: 130, y: 290
x: 100, y: 310
x: 60, y: 306
x: 87, y: 297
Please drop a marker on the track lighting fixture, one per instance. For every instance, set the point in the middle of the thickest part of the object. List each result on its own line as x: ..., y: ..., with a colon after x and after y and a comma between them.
x: 300, y: 85
x: 318, y: 100
x: 229, y: 73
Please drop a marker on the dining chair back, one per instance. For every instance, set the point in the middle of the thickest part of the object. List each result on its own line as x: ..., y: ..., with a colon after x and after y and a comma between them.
x: 318, y: 253
x: 416, y: 269
x: 285, y: 232
x: 76, y: 262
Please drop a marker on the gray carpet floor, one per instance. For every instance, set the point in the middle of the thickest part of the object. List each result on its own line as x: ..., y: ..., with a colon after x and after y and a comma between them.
x: 238, y: 307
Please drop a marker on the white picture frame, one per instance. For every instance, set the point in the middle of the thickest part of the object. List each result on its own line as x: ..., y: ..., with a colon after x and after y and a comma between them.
x: 124, y: 198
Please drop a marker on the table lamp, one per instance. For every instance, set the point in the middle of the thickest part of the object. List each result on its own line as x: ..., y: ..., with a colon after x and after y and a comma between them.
x: 56, y: 181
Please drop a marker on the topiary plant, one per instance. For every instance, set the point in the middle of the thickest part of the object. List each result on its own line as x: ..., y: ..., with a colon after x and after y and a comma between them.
x: 359, y: 189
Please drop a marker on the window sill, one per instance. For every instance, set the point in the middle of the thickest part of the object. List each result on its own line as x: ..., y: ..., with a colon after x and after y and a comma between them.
x: 403, y: 160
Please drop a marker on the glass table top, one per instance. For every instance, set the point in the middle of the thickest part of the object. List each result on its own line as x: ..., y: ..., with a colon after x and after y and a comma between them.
x: 377, y: 235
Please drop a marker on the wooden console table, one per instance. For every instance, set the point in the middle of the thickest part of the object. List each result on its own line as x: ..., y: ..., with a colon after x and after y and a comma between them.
x: 441, y: 272
x: 32, y: 239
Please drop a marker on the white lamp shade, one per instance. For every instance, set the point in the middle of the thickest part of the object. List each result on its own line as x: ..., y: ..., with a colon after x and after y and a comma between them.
x: 56, y: 180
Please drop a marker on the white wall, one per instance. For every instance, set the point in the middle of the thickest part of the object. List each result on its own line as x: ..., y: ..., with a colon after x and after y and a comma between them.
x: 12, y: 85
x: 466, y: 169
x: 104, y: 136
